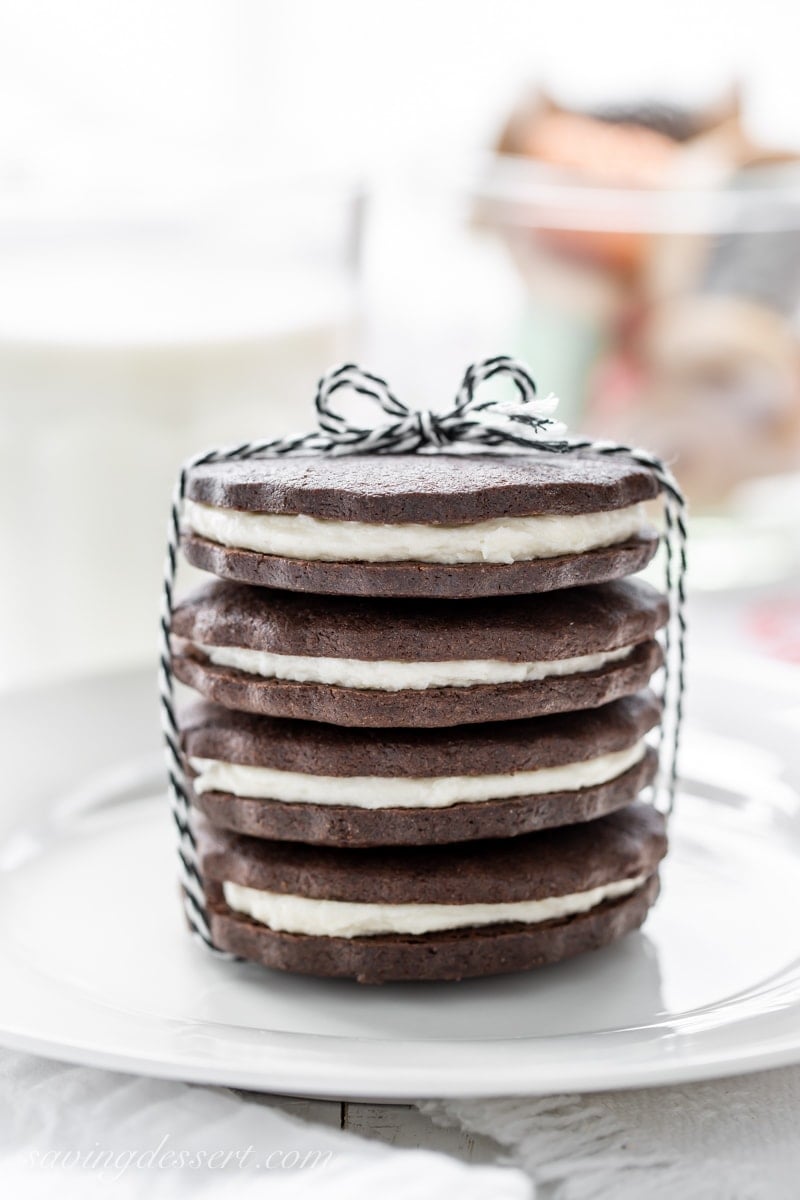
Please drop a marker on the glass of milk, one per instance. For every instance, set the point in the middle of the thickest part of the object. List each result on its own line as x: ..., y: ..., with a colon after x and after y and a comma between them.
x: 127, y: 342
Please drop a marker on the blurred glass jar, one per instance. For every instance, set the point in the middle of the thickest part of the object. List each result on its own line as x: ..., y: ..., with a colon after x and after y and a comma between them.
x: 666, y: 317
x: 128, y: 340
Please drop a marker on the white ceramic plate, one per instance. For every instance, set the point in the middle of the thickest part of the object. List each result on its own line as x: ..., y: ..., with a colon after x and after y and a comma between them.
x: 97, y: 967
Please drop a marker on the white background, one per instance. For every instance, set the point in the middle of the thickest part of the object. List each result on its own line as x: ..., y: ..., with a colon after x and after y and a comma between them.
x: 99, y: 91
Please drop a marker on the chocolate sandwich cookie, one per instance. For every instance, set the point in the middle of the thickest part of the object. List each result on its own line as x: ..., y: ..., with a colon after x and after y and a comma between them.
x: 407, y: 662
x: 307, y: 782
x: 420, y: 525
x: 428, y: 913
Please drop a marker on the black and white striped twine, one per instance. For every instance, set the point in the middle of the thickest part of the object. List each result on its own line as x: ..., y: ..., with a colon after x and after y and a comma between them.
x: 526, y: 424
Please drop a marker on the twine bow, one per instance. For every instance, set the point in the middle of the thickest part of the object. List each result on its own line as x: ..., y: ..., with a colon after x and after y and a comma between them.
x: 523, y: 422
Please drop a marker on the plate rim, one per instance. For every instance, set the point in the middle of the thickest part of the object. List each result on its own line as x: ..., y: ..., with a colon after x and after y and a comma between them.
x: 324, y: 1081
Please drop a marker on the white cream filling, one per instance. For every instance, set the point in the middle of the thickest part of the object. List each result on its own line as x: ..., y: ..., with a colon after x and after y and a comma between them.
x: 502, y: 540
x: 360, y: 791
x: 393, y: 676
x: 340, y: 918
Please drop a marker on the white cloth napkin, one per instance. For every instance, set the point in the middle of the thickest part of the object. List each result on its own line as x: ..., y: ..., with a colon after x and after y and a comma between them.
x: 735, y: 1139
x: 730, y: 1139
x: 57, y: 1120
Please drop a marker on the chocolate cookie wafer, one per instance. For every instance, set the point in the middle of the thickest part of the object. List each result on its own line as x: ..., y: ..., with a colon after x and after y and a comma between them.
x: 431, y: 913
x: 417, y: 525
x: 309, y: 782
x: 377, y: 662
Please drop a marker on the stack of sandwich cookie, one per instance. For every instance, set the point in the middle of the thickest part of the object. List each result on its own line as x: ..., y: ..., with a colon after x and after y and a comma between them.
x: 425, y: 718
